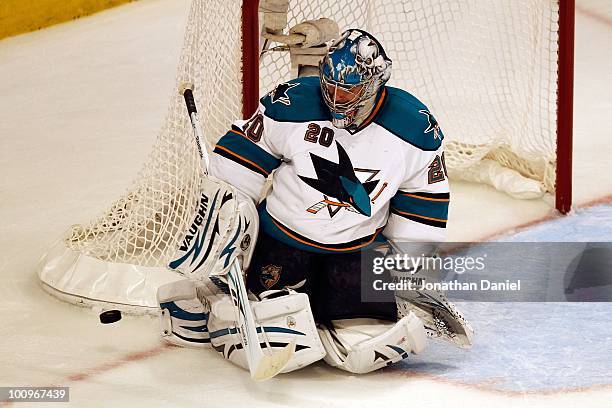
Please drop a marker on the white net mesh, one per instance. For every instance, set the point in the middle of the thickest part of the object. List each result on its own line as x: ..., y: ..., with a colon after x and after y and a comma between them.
x: 486, y: 68
x: 145, y: 226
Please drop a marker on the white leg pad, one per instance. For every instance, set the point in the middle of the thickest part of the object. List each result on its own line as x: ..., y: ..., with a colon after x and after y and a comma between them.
x: 184, y: 318
x: 364, y: 345
x: 283, y: 315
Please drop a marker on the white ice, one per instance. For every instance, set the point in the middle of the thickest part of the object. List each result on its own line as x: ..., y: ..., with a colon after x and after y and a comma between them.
x: 80, y: 106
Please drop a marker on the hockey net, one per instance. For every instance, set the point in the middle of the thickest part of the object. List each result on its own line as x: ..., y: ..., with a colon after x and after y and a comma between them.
x: 486, y: 68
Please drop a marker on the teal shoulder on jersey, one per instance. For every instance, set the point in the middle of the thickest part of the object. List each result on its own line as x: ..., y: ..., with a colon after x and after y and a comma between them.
x: 409, y: 119
x: 298, y: 100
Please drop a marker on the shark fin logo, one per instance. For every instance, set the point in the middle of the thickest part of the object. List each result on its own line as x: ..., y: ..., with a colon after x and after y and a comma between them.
x: 279, y: 94
x: 433, y: 125
x: 338, y: 181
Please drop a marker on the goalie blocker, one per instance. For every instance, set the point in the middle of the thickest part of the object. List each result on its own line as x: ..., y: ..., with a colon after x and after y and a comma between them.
x: 225, y: 227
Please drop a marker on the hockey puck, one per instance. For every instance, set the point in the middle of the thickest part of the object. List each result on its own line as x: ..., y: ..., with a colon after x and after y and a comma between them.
x: 110, y: 316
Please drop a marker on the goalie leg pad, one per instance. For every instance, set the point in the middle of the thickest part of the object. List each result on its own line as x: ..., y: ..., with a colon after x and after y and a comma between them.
x: 184, y: 318
x: 282, y: 316
x: 363, y: 345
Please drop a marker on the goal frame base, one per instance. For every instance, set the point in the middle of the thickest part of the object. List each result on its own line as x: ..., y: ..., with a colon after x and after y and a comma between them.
x: 86, y: 281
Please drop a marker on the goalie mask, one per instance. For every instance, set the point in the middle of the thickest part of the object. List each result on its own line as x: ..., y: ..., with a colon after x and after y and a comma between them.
x: 352, y: 73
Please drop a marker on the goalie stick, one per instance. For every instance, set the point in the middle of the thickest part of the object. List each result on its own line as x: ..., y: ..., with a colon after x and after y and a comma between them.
x: 262, y: 366
x: 186, y: 89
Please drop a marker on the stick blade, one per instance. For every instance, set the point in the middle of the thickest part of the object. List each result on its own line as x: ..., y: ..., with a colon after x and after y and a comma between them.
x: 272, y: 364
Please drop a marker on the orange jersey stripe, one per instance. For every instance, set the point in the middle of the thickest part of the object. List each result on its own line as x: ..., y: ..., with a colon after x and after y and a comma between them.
x: 442, y: 200
x: 239, y: 133
x: 420, y: 216
x: 242, y: 158
x: 289, y: 234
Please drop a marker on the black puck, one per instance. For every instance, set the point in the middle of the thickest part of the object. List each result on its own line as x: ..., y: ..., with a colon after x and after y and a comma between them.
x: 110, y: 316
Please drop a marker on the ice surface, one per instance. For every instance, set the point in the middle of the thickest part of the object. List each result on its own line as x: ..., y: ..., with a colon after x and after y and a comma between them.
x: 81, y: 105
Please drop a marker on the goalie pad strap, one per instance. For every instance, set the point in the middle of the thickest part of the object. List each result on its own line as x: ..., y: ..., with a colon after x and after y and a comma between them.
x: 279, y: 320
x: 183, y: 317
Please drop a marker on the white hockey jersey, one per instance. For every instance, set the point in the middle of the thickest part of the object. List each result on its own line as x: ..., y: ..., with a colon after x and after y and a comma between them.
x: 334, y: 190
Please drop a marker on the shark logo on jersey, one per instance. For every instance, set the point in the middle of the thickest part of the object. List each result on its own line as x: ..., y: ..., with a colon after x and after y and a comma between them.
x: 433, y: 125
x: 338, y: 180
x: 279, y: 94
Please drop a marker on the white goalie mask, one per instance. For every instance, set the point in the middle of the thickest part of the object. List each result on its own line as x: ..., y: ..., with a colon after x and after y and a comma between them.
x: 352, y: 74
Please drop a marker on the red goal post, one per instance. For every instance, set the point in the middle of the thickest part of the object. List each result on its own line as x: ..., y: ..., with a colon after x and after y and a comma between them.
x: 565, y: 106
